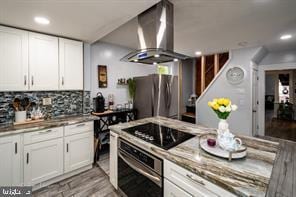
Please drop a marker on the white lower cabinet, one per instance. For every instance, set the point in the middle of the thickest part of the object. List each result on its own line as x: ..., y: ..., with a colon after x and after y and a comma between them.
x: 78, y: 151
x: 43, y: 161
x: 10, y: 162
x: 190, y: 183
x: 113, y: 158
x: 171, y: 190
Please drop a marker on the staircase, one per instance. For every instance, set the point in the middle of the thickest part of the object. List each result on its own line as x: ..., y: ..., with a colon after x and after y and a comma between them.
x: 207, y: 67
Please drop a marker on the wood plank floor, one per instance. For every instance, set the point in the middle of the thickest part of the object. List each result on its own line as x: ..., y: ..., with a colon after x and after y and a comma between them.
x: 93, y: 183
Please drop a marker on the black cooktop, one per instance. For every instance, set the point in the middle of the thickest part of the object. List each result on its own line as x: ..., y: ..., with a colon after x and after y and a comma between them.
x: 161, y: 136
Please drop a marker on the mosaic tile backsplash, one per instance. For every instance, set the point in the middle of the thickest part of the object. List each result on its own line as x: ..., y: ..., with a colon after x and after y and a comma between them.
x: 63, y: 103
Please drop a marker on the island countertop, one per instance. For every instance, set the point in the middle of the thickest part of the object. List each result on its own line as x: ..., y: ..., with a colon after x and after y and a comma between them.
x: 246, y: 177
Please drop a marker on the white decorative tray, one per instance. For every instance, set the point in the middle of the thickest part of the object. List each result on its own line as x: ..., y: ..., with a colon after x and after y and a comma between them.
x: 219, y: 152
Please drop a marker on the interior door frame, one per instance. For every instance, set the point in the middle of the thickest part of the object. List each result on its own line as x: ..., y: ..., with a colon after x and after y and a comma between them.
x: 261, y: 90
x: 254, y: 97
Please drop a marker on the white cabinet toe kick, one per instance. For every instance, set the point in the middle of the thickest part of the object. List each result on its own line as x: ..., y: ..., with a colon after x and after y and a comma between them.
x: 43, y: 157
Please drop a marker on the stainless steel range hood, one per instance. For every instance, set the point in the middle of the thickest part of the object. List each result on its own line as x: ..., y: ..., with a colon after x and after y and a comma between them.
x: 156, y: 36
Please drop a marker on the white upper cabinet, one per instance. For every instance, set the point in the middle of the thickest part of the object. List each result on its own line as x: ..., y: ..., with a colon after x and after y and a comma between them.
x: 43, y: 62
x: 71, y: 64
x: 13, y: 59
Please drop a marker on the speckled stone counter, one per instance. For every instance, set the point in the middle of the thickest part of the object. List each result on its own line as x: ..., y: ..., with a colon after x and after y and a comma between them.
x: 55, y: 122
x: 246, y: 177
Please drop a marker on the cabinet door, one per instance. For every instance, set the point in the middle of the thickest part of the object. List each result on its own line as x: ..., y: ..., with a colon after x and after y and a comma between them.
x: 79, y: 151
x: 113, y: 159
x: 71, y: 64
x: 13, y: 59
x: 171, y: 190
x: 43, y: 161
x: 10, y: 162
x: 43, y: 62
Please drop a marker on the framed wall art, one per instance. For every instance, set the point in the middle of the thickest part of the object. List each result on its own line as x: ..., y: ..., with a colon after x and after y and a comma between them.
x: 102, y: 76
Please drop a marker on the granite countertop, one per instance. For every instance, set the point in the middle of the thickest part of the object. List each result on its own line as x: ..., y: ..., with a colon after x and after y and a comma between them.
x: 46, y: 124
x: 246, y: 177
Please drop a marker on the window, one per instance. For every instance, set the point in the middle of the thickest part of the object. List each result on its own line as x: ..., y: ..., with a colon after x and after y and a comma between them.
x: 163, y: 70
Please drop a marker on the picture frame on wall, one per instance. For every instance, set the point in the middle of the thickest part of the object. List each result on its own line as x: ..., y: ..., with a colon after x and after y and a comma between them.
x: 102, y: 76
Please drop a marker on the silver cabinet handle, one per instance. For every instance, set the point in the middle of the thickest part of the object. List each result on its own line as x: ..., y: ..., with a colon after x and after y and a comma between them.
x: 44, y: 132
x: 27, y: 158
x: 32, y: 80
x: 63, y: 81
x: 80, y: 125
x: 15, y: 148
x: 25, y: 80
x: 195, y: 180
x: 67, y: 147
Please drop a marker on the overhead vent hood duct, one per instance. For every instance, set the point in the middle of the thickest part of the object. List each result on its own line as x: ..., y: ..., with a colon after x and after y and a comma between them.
x: 156, y: 36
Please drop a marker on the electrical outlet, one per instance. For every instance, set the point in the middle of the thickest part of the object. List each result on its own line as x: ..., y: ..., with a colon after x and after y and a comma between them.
x: 46, y: 101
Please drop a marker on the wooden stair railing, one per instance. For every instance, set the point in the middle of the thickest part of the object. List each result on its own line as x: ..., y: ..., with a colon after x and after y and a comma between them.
x: 207, y: 67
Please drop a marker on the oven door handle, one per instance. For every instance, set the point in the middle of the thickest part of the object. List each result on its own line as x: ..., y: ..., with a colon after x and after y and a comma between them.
x: 139, y: 168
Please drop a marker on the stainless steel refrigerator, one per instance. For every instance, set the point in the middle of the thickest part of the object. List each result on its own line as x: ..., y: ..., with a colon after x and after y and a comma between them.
x: 156, y: 95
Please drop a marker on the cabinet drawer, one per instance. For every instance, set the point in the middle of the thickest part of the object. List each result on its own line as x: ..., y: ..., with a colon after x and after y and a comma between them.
x: 171, y: 190
x: 192, y: 183
x: 43, y: 135
x: 79, y: 128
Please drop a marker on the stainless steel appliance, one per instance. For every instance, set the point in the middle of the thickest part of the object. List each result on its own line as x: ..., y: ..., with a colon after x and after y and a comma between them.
x: 156, y: 36
x: 139, y: 173
x: 156, y: 95
x: 158, y: 135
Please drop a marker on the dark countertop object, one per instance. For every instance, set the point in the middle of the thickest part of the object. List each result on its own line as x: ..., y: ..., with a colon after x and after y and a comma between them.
x: 54, y: 122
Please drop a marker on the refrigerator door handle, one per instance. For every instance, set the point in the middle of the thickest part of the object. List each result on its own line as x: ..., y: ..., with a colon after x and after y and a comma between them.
x: 169, y: 94
x: 152, y: 99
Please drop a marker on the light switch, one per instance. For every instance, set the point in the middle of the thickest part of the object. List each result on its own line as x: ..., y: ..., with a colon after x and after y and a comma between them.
x: 46, y: 101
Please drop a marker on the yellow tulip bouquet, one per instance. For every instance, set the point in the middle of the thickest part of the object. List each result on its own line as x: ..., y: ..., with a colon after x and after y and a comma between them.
x: 222, y: 107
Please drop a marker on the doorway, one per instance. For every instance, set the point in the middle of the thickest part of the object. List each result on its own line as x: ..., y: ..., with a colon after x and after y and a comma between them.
x: 279, y: 101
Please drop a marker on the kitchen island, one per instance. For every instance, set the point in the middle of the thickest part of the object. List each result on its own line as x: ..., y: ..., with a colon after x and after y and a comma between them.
x: 250, y: 176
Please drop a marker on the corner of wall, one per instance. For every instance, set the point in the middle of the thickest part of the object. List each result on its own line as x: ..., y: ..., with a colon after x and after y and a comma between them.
x: 241, y: 120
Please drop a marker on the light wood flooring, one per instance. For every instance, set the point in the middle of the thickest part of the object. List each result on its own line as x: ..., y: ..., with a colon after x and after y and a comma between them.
x: 93, y: 183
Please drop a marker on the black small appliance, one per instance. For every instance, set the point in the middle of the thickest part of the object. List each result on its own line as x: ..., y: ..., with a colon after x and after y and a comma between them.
x: 99, y: 103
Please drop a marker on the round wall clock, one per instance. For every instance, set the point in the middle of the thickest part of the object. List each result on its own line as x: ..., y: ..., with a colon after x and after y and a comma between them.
x: 235, y: 75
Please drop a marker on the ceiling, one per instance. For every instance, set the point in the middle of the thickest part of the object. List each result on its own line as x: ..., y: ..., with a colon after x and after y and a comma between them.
x: 219, y: 25
x: 87, y: 20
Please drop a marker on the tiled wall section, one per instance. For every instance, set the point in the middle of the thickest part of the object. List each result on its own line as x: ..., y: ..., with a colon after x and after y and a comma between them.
x: 63, y: 103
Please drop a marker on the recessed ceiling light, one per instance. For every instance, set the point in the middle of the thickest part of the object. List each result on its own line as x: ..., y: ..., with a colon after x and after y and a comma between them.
x: 286, y: 37
x: 135, y: 60
x: 175, y: 60
x: 41, y: 20
x: 156, y: 55
x: 154, y: 63
x: 198, y: 53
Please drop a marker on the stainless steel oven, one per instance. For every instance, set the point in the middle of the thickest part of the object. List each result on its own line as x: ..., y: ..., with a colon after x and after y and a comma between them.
x: 139, y: 172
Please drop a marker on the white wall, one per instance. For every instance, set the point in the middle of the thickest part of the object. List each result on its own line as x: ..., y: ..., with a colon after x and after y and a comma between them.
x: 279, y: 57
x: 240, y: 121
x: 110, y: 55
